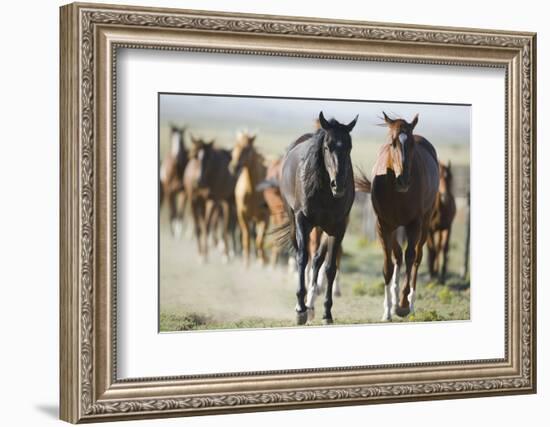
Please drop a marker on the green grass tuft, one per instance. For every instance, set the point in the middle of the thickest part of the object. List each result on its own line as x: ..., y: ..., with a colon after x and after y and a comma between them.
x: 426, y: 316
x: 445, y: 296
x: 359, y: 289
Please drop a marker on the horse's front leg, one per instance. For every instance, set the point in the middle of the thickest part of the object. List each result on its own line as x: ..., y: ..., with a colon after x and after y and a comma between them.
x: 245, y: 238
x: 387, y: 237
x: 316, y: 264
x: 260, y: 237
x: 431, y: 254
x: 225, y: 231
x: 445, y: 237
x: 411, y: 259
x: 303, y: 228
x: 334, y: 243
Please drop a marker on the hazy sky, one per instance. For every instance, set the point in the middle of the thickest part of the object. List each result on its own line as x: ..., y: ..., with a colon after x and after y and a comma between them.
x: 441, y: 124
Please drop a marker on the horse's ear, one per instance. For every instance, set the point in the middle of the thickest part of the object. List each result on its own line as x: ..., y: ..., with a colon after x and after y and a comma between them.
x: 323, y: 122
x: 387, y: 119
x: 351, y: 125
x: 251, y: 139
x: 449, y: 164
x: 414, y: 121
x: 211, y: 143
x: 193, y: 139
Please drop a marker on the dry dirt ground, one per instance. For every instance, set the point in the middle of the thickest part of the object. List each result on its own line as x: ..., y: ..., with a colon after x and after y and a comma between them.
x: 214, y: 295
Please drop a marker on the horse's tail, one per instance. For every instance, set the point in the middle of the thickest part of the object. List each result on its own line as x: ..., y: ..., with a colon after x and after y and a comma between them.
x: 362, y: 183
x: 284, y: 235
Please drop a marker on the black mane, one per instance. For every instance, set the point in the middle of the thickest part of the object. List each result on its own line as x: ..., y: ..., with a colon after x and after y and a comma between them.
x: 313, y: 173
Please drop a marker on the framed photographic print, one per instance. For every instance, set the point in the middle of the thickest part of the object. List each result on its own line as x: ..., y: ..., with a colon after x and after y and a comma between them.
x: 266, y: 212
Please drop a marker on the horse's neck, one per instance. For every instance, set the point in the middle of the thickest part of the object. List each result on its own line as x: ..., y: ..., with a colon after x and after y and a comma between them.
x: 313, y: 171
x: 177, y: 144
x: 255, y: 169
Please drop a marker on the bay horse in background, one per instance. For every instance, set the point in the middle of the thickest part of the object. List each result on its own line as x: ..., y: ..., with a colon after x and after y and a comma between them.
x: 248, y: 164
x: 217, y: 185
x: 403, y: 193
x: 171, y: 178
x: 209, y: 188
x: 195, y: 195
x: 441, y: 223
x: 318, y: 191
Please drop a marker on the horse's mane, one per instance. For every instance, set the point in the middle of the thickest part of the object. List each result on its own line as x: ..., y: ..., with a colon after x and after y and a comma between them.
x: 391, y: 159
x: 312, y: 175
x: 387, y: 159
x: 303, y: 138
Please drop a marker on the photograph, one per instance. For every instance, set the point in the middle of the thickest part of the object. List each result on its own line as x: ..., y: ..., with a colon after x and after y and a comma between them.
x: 283, y: 212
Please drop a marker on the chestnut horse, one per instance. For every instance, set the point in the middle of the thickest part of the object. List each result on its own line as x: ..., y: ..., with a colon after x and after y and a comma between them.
x: 250, y: 203
x: 171, y: 178
x: 404, y: 190
x: 274, y: 201
x: 439, y: 236
x: 317, y: 188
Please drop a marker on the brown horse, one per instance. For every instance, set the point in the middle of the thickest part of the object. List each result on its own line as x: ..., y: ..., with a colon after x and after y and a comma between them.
x: 215, y: 181
x: 274, y: 201
x: 251, y: 205
x: 196, y: 196
x: 404, y: 190
x: 439, y: 236
x: 171, y: 178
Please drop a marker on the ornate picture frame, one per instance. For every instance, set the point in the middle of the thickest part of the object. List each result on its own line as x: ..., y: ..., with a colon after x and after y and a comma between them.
x: 90, y: 37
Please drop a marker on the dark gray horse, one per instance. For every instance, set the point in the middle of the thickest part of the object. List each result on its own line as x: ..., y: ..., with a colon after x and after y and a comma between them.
x: 318, y: 191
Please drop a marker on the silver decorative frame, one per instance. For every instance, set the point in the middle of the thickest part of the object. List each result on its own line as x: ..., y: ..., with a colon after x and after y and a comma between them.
x: 90, y: 35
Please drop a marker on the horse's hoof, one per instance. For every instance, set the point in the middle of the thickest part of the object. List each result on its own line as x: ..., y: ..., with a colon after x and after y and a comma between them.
x: 225, y: 259
x: 301, y: 317
x: 310, y: 314
x: 386, y: 318
x: 328, y: 320
x: 402, y: 311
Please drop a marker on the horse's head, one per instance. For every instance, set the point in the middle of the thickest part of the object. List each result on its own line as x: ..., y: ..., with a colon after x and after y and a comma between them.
x: 402, y: 147
x: 242, y: 152
x: 336, y: 152
x: 445, y: 181
x: 202, y: 151
x: 177, y: 134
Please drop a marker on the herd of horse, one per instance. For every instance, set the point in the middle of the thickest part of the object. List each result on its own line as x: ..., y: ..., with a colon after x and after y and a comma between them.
x: 307, y: 195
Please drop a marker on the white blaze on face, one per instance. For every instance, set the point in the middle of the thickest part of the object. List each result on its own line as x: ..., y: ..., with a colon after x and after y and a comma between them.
x: 402, y: 138
x: 175, y: 147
